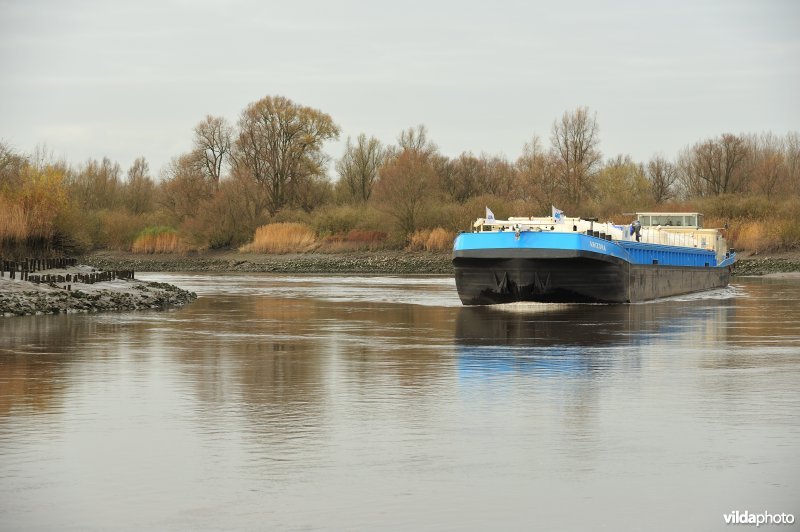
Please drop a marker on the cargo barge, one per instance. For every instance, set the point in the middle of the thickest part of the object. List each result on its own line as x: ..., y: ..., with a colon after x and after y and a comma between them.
x: 574, y: 260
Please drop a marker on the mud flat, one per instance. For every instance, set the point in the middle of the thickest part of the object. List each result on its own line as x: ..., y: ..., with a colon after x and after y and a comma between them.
x: 20, y: 298
x: 373, y: 262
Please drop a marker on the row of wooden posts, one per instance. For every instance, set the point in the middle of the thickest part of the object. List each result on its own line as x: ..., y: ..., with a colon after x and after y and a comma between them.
x: 34, y: 265
x: 85, y: 278
x: 26, y: 269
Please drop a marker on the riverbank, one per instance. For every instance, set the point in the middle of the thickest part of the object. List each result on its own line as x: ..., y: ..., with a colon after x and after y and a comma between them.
x: 370, y: 262
x: 768, y: 264
x: 20, y: 298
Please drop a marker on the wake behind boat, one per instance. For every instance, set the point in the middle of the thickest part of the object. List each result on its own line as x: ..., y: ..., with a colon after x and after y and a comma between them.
x: 575, y: 260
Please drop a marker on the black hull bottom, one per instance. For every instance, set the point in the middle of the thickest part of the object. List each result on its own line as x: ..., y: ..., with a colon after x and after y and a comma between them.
x: 487, y: 281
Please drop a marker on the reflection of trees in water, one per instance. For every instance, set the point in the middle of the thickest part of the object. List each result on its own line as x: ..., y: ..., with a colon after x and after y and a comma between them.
x: 280, y: 368
x: 767, y: 317
x: 287, y: 352
x: 256, y: 351
x: 763, y: 339
x: 259, y: 350
x: 371, y: 339
x: 34, y: 361
x: 30, y: 384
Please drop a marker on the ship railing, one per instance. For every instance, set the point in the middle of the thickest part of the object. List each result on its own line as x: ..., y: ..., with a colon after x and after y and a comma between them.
x: 515, y: 224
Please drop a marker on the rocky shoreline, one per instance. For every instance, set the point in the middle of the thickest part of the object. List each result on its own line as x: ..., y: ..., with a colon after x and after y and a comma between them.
x: 20, y: 298
x: 373, y: 262
x: 766, y: 266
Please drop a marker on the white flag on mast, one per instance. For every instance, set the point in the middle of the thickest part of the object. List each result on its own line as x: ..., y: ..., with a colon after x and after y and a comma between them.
x: 489, y: 215
x: 558, y: 215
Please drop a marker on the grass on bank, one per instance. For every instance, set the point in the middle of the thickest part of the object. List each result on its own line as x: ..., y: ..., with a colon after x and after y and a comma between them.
x: 438, y: 239
x: 355, y: 240
x: 158, y: 240
x: 280, y: 238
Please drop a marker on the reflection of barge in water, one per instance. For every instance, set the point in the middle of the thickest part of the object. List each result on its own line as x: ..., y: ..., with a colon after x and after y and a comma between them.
x: 560, y: 259
x: 557, y: 325
x: 546, y: 338
x: 553, y: 340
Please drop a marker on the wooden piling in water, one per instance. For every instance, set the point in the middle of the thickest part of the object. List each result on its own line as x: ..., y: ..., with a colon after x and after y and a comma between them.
x: 29, y: 269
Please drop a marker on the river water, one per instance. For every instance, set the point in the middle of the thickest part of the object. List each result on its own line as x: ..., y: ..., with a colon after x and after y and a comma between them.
x: 363, y: 403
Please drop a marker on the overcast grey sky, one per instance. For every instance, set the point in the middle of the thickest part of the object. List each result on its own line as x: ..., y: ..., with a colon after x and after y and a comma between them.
x: 94, y: 78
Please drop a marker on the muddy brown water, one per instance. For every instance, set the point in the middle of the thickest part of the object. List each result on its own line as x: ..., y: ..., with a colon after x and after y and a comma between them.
x: 361, y: 403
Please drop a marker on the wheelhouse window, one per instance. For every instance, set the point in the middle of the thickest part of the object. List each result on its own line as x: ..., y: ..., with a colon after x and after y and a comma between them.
x: 671, y: 220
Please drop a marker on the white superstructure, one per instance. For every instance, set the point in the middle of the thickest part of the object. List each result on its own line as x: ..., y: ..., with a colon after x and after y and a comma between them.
x: 682, y: 229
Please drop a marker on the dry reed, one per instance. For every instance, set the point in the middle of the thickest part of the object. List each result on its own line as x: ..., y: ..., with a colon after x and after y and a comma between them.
x: 759, y: 236
x: 438, y: 239
x: 354, y: 240
x: 286, y: 237
x: 418, y: 240
x: 158, y: 240
x: 13, y: 222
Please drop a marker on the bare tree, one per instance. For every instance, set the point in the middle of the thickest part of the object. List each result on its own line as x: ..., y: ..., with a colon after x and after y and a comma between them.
x: 619, y: 186
x: 212, y: 144
x: 230, y: 217
x: 42, y: 157
x: 538, y: 172
x: 11, y: 166
x: 358, y: 167
x: 280, y: 144
x: 96, y: 185
x: 416, y: 140
x: 404, y: 187
x: 464, y: 178
x: 766, y: 164
x: 501, y: 177
x: 183, y: 189
x: 717, y: 166
x: 791, y: 159
x: 662, y: 176
x: 139, y: 189
x: 468, y: 176
x: 575, y: 140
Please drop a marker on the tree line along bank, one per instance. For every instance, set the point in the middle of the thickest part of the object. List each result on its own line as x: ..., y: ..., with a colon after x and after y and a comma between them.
x: 269, y: 168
